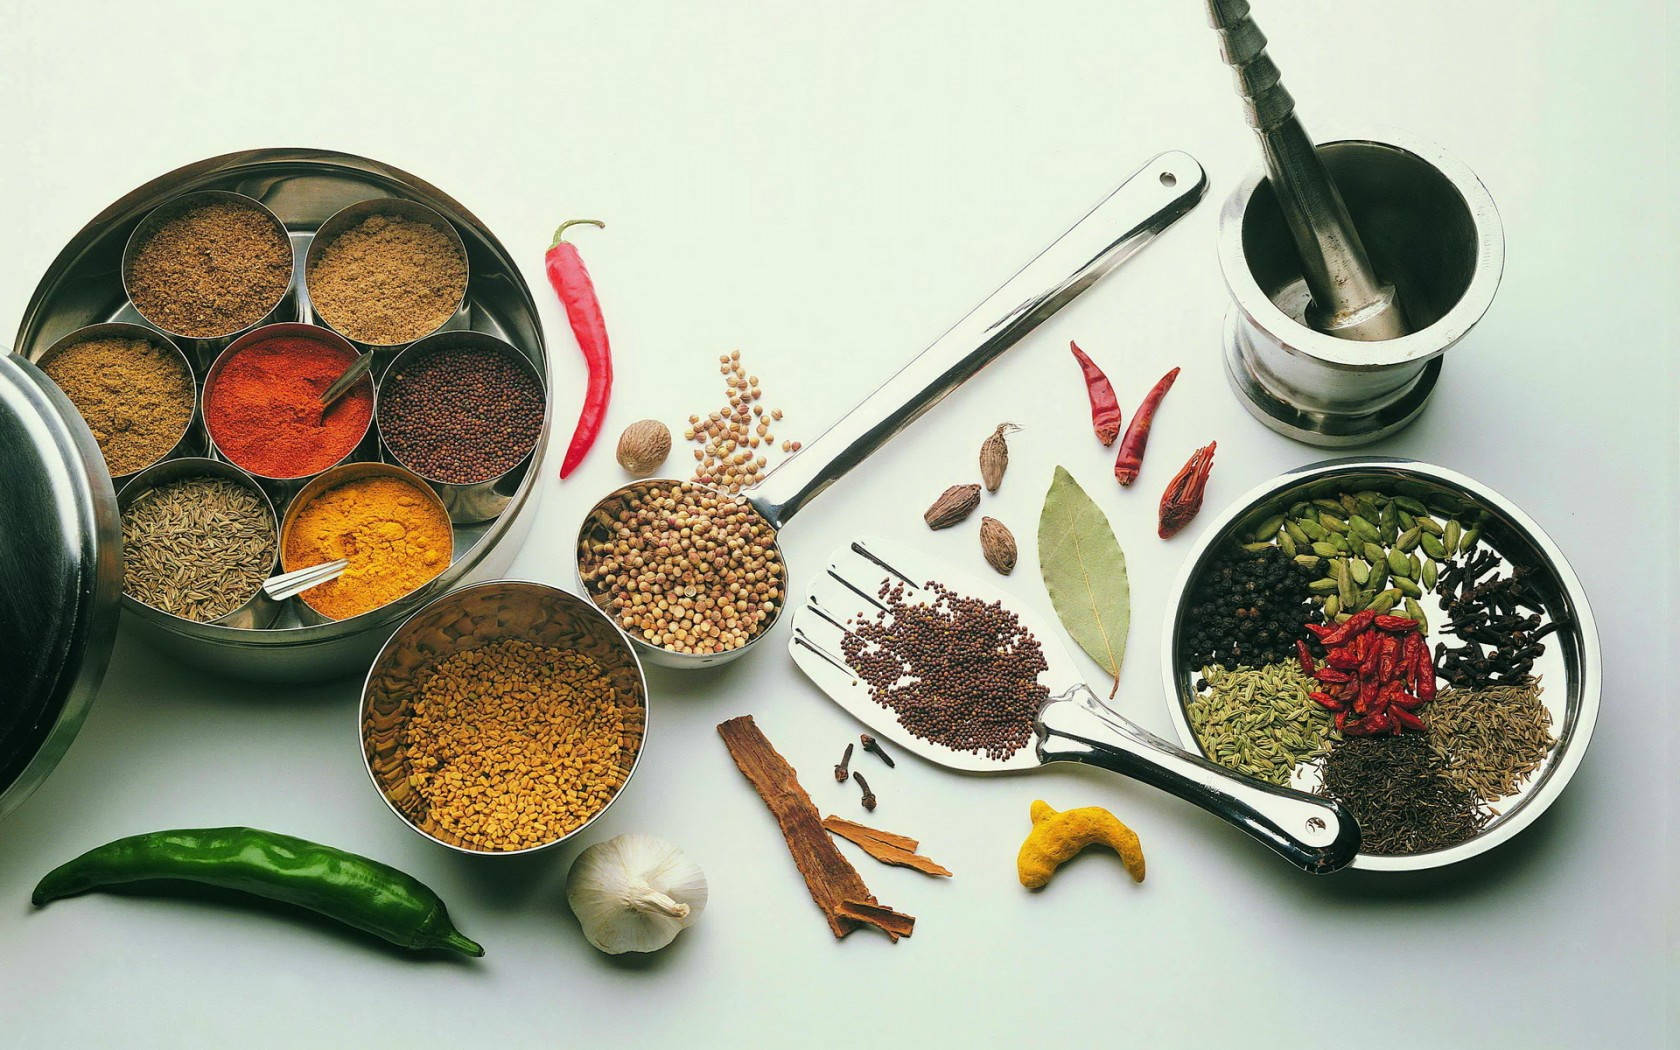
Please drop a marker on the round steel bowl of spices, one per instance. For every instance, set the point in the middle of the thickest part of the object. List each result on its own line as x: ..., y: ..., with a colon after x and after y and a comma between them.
x: 198, y: 540
x: 386, y: 272
x: 1394, y: 635
x: 208, y: 265
x: 465, y: 411
x: 262, y: 404
x: 133, y: 388
x: 503, y: 718
x: 380, y: 518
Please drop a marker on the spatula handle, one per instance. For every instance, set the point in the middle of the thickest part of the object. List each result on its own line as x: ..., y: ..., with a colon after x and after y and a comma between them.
x: 1314, y: 834
x: 1126, y: 220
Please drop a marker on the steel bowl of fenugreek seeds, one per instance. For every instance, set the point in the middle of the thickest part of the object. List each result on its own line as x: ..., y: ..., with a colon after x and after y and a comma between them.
x: 503, y: 717
x: 1396, y: 636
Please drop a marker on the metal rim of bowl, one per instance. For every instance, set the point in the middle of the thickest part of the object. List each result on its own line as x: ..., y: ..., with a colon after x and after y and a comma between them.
x: 657, y: 654
x: 342, y: 474
x: 1571, y: 745
x: 1418, y: 346
x: 153, y: 336
x: 195, y: 466
x: 438, y: 342
x: 351, y: 215
x: 256, y: 337
x: 589, y: 609
x: 179, y: 204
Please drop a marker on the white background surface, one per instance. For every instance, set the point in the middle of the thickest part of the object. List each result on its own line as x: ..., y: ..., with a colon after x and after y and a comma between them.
x: 827, y: 188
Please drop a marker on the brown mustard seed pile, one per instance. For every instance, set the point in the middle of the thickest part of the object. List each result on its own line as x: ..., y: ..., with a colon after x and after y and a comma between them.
x: 686, y: 569
x: 513, y: 745
x: 955, y: 670
x: 136, y: 397
x: 211, y: 270
x: 388, y: 280
x: 731, y: 443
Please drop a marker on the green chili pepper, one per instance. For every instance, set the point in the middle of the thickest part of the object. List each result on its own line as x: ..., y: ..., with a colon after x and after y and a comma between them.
x: 354, y: 890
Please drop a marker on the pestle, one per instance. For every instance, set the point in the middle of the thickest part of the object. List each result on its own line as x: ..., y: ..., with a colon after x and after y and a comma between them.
x: 1349, y: 299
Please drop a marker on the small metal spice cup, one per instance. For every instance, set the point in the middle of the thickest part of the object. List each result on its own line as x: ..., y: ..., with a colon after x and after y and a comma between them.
x: 201, y: 350
x: 191, y: 440
x: 353, y: 215
x: 259, y: 610
x: 325, y: 482
x: 282, y: 490
x: 468, y: 503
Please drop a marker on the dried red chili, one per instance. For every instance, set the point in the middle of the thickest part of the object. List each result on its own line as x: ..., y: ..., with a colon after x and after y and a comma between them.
x: 570, y: 280
x: 1105, y: 407
x: 1130, y: 459
x: 1183, y: 497
x: 1376, y: 672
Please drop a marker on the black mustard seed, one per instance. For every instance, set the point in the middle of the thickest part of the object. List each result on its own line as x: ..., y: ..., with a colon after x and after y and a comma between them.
x: 460, y: 414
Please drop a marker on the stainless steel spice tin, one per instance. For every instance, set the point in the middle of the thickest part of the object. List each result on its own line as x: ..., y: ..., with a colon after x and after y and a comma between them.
x: 203, y: 349
x: 1570, y: 669
x: 303, y: 188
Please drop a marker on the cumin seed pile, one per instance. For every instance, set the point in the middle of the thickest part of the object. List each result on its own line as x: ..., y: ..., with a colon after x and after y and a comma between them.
x: 197, y: 548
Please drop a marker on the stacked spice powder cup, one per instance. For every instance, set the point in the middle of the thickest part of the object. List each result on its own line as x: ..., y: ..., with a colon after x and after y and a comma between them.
x: 216, y: 368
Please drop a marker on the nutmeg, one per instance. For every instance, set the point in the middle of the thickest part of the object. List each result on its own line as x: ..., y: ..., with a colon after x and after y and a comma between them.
x: 643, y: 446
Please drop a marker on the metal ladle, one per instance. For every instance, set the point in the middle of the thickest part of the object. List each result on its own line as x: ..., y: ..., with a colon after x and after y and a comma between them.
x: 1130, y: 217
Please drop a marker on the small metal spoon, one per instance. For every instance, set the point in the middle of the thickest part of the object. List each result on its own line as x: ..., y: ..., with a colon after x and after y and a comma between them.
x: 287, y: 584
x: 342, y: 385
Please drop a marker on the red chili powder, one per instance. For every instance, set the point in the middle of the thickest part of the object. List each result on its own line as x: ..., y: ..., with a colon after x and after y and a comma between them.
x: 264, y: 409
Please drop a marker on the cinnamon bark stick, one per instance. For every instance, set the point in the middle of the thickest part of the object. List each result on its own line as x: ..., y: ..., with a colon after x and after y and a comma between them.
x: 884, y: 846
x: 832, y: 880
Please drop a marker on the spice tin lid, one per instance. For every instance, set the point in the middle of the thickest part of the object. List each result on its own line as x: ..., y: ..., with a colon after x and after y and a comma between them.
x: 60, y: 575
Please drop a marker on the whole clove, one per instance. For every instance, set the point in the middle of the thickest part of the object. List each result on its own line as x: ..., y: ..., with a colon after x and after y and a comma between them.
x: 840, y: 768
x: 1498, y: 620
x: 873, y: 746
x: 868, y: 795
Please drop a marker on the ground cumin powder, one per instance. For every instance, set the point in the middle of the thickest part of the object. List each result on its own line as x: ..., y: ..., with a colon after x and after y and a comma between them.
x: 211, y: 270
x: 394, y: 535
x: 388, y: 280
x: 513, y: 745
x: 136, y: 397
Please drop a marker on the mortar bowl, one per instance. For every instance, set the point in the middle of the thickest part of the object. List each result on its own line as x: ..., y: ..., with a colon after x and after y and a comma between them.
x: 1430, y: 227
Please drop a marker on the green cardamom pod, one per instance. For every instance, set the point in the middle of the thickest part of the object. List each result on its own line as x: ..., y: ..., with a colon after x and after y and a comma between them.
x: 1433, y: 547
x: 1313, y: 529
x: 1415, y: 564
x: 1269, y: 527
x: 1429, y: 575
x: 1408, y: 539
x: 1406, y: 520
x: 1368, y: 509
x: 1408, y: 503
x: 1407, y: 587
x: 1331, y: 522
x: 1255, y: 546
x: 1379, y: 573
x: 1328, y: 504
x: 1332, y: 606
x: 1360, y: 570
x: 1311, y: 561
x: 1287, y: 542
x: 1326, y: 549
x: 1471, y: 535
x: 1296, y: 533
x: 1349, y: 504
x: 1450, y: 536
x: 1374, y: 553
x: 1324, y: 586
x: 1363, y: 529
x: 1398, y: 563
x: 1415, y: 611
x: 1429, y: 525
x: 1346, y: 590
x: 1383, y: 602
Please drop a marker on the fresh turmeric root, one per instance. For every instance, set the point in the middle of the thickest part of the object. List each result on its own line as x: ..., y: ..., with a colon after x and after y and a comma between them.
x: 1056, y: 837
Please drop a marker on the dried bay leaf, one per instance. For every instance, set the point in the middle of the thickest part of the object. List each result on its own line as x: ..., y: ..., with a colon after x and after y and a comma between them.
x: 1084, y: 570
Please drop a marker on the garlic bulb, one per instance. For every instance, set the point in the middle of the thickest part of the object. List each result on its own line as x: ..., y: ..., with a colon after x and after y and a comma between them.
x: 634, y: 893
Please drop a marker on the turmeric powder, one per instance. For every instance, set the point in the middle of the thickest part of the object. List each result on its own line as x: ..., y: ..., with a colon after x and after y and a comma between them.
x: 1056, y: 837
x: 395, y: 535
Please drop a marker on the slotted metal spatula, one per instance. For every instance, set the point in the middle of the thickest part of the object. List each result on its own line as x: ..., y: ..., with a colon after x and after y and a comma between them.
x: 1315, y: 834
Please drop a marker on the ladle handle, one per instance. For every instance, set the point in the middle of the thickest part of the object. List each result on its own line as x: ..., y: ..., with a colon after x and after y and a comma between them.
x: 1126, y: 220
x: 1315, y: 834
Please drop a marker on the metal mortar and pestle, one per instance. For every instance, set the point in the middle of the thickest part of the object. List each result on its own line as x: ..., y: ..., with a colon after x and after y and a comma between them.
x: 1353, y: 265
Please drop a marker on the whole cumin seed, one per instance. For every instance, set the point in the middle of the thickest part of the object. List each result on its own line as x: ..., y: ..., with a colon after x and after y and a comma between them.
x: 198, y: 548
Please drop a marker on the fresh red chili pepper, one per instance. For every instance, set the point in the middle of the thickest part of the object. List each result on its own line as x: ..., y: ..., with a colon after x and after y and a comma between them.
x: 1183, y: 497
x: 1351, y: 626
x: 1105, y: 407
x: 570, y: 280
x: 1130, y: 460
x: 1395, y: 624
x: 1305, y: 656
